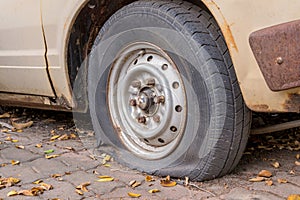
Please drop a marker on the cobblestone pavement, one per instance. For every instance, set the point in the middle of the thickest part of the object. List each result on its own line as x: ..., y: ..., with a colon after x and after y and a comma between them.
x: 76, y: 165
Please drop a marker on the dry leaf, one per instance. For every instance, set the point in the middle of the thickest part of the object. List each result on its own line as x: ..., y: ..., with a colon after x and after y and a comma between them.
x: 37, y: 181
x: 69, y: 148
x: 149, y: 179
x: 298, y: 156
x: 37, y: 190
x: 105, y: 179
x: 265, y: 173
x: 167, y: 182
x: 83, y: 186
x: 136, y: 184
x: 56, y: 175
x: 20, y: 126
x: 14, y: 141
x: 8, y: 138
x: 297, y: 163
x: 73, y: 136
x: 15, y: 162
x: 63, y: 137
x: 12, y: 193
x: 5, y: 115
x: 79, y: 192
x: 186, y: 183
x: 107, y: 165
x: 257, y: 179
x: 26, y: 193
x: 20, y: 147
x: 269, y: 182
x: 294, y: 197
x: 134, y: 195
x: 275, y: 164
x: 46, y: 186
x: 292, y: 172
x: 106, y: 159
x: 282, y: 180
x: 154, y: 191
x: 8, y: 182
x: 51, y: 156
x: 54, y: 137
x: 132, y: 182
x: 39, y: 145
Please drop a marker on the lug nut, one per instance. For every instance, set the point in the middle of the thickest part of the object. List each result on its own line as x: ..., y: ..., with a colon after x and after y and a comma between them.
x: 156, y: 118
x: 136, y: 84
x: 151, y: 82
x: 142, y: 120
x: 133, y: 102
x: 160, y: 99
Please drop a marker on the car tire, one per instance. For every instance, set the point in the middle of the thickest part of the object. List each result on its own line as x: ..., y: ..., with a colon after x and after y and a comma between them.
x: 164, y: 94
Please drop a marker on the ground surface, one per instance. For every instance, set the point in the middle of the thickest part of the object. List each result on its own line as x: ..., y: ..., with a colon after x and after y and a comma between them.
x: 23, y: 156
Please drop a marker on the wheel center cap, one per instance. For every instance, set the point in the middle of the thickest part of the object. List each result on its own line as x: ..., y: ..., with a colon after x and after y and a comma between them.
x: 146, y: 99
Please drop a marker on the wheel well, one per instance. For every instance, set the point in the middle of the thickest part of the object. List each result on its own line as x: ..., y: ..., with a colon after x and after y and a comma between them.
x: 86, y: 27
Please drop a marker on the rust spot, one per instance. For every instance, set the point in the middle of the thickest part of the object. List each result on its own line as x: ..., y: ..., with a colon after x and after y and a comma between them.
x: 260, y: 108
x: 276, y: 50
x: 225, y: 28
x: 293, y: 103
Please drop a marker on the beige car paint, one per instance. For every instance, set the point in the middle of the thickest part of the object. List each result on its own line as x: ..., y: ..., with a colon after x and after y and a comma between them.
x: 22, y: 49
x: 57, y: 28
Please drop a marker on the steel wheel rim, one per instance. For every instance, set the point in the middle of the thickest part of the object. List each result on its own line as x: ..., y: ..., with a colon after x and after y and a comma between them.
x: 147, y: 101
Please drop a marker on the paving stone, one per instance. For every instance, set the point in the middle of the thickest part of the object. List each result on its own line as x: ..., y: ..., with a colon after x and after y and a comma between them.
x: 47, y: 167
x: 244, y: 194
x: 24, y: 173
x: 62, y: 190
x: 78, y: 161
x: 21, y: 155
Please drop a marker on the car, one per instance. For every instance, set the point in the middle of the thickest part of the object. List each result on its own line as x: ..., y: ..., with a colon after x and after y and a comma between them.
x: 169, y: 85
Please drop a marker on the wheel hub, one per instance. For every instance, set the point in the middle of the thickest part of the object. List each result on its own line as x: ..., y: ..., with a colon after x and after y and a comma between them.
x: 147, y: 100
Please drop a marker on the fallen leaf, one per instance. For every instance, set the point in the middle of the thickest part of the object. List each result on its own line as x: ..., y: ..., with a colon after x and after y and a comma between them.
x: 5, y: 115
x: 20, y: 126
x: 26, y: 193
x: 63, y: 137
x: 265, y: 173
x: 12, y: 193
x: 56, y: 175
x: 167, y: 182
x: 83, y: 186
x: 269, y: 182
x: 15, y: 162
x: 8, y: 182
x: 38, y: 181
x: 37, y: 190
x: 106, y: 159
x: 51, y: 156
x: 292, y: 172
x: 294, y: 197
x: 149, y: 179
x: 282, y: 180
x: 54, y: 137
x: 257, y: 179
x: 73, y: 136
x: 105, y: 179
x: 46, y: 186
x: 107, y: 165
x: 298, y: 156
x: 20, y: 147
x: 4, y: 130
x: 20, y: 131
x: 186, y: 183
x: 297, y: 163
x: 79, y: 192
x: 69, y: 148
x: 154, y: 191
x: 8, y: 138
x: 39, y: 145
x: 275, y: 164
x: 136, y: 184
x: 49, y: 151
x: 14, y: 141
x: 132, y: 182
x: 134, y: 195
